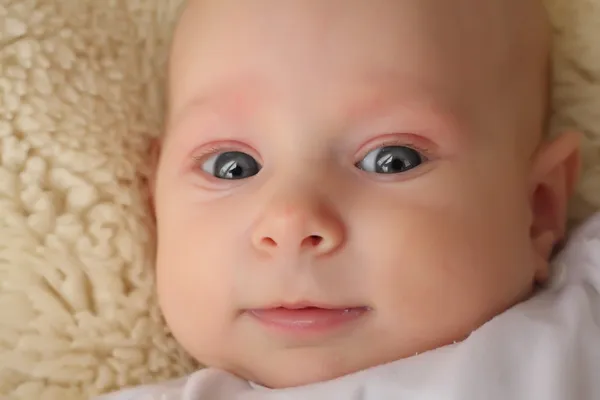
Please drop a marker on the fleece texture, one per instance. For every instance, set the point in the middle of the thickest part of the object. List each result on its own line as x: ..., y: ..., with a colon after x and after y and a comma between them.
x: 80, y: 100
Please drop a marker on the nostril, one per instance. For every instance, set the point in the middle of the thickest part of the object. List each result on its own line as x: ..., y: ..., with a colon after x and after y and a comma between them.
x: 314, y: 240
x: 268, y: 242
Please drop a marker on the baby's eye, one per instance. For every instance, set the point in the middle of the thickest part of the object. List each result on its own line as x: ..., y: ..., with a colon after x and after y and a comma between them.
x: 231, y: 165
x: 390, y: 160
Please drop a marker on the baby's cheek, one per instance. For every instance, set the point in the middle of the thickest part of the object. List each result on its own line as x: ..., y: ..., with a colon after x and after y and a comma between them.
x: 446, y: 274
x: 192, y: 285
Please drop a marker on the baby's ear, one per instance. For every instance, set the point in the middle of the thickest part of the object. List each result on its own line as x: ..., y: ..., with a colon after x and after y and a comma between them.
x: 554, y: 176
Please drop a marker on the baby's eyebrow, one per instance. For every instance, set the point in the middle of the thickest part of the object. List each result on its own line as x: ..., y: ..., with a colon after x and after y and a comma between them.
x: 238, y: 97
x: 423, y: 113
x: 371, y: 101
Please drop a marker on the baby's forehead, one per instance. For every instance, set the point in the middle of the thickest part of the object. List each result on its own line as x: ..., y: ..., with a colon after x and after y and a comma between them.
x: 472, y: 33
x: 461, y: 16
x: 457, y: 45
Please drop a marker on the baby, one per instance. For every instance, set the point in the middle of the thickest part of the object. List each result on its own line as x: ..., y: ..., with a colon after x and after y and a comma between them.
x: 358, y: 199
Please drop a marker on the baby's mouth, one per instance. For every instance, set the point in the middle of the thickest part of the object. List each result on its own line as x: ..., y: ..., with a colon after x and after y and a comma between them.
x: 307, y: 318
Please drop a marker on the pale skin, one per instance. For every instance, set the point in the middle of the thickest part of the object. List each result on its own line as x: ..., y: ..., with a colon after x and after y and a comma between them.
x: 310, y: 91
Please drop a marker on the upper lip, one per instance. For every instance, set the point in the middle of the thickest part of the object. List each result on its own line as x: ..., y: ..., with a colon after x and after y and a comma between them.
x: 307, y: 304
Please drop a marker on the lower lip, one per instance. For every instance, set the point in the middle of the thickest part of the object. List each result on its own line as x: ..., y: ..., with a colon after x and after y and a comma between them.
x: 308, y: 319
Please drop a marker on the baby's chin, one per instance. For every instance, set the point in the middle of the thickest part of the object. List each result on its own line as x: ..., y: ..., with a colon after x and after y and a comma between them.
x: 280, y: 368
x: 294, y: 375
x: 306, y: 369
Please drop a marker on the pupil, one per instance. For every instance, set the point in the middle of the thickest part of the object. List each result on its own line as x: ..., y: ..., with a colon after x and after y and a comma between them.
x: 397, y: 164
x: 236, y: 171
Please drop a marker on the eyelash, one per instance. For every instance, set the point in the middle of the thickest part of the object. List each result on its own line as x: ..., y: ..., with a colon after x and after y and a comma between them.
x: 221, y: 148
x: 199, y: 158
x: 410, y: 143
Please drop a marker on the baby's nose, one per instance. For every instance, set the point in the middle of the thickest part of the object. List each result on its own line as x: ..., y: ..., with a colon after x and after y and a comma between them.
x: 299, y: 225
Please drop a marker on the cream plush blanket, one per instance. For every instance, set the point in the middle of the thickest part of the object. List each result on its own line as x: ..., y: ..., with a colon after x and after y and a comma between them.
x: 79, y: 100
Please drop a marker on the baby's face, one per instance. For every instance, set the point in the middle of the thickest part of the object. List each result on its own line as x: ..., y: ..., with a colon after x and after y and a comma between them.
x: 343, y: 183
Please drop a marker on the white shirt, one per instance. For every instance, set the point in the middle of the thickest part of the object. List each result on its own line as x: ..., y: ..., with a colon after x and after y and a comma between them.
x: 546, y: 348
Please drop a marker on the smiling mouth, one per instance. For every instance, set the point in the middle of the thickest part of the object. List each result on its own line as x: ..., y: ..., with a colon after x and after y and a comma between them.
x: 313, y: 319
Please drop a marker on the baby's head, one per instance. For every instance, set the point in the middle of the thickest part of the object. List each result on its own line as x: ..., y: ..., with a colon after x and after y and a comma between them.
x: 344, y: 183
